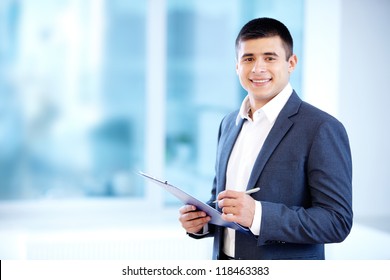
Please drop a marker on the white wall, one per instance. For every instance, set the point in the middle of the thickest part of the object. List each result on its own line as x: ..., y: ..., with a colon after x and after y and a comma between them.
x: 321, y: 50
x: 347, y: 59
x: 365, y: 99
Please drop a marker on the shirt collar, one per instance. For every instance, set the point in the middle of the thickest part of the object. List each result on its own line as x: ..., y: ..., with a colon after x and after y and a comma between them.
x: 271, y: 109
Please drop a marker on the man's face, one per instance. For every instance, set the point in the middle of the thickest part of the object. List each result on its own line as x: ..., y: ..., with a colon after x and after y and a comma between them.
x: 263, y: 69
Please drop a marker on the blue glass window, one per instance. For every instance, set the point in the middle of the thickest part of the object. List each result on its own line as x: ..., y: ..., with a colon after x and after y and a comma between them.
x: 74, y: 98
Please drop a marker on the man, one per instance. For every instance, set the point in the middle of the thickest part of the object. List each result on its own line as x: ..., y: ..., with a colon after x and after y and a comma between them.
x: 298, y: 155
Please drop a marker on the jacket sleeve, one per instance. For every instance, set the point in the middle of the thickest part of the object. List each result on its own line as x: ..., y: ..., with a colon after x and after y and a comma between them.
x: 328, y: 175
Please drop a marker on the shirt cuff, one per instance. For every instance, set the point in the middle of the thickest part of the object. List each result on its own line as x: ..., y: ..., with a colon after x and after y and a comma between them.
x: 255, y: 228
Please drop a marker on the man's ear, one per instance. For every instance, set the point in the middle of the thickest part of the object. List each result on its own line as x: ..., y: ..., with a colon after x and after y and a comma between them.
x: 292, y: 63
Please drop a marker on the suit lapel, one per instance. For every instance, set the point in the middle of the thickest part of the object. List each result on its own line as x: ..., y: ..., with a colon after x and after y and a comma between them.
x: 278, y: 131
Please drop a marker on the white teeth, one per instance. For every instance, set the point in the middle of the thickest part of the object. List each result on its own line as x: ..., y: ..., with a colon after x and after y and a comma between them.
x: 260, y: 81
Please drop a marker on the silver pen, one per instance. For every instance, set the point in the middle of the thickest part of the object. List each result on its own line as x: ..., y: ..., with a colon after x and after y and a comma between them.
x: 247, y: 192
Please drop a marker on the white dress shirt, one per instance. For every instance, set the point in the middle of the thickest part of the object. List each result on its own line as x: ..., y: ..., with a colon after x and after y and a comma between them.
x: 245, y: 151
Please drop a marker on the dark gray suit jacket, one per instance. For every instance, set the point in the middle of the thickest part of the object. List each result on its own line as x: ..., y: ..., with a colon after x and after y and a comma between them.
x: 304, y: 170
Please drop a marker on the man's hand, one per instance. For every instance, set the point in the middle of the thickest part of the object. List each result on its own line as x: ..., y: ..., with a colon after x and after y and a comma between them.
x: 237, y: 207
x: 191, y: 219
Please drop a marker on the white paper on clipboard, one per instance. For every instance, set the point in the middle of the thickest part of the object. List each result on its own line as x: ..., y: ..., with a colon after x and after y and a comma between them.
x: 216, y: 218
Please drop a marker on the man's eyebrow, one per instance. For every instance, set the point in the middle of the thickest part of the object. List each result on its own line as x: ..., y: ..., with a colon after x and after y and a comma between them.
x: 266, y: 54
x: 247, y: 55
x: 271, y: 53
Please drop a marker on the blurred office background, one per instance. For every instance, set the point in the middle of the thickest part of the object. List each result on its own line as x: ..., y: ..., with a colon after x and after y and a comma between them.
x: 91, y: 91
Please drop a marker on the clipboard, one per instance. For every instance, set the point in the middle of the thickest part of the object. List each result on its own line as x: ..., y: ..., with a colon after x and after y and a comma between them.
x: 215, y: 215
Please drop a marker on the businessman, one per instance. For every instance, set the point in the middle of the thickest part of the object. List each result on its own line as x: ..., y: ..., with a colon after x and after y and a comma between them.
x: 298, y: 155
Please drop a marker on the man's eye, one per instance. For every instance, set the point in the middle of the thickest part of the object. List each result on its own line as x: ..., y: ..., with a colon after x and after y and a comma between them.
x: 270, y: 59
x: 248, y: 59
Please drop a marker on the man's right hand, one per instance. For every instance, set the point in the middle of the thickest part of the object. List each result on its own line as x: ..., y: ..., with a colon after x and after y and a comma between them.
x: 191, y: 219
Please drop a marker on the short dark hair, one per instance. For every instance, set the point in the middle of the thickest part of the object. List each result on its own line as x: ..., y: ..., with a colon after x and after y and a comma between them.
x: 263, y: 28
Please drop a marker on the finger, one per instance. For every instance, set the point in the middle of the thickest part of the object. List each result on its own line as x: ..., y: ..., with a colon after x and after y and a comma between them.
x: 196, y: 222
x: 187, y: 208
x: 195, y: 225
x: 227, y: 202
x: 229, y: 210
x: 229, y: 217
x: 191, y: 216
x: 228, y: 194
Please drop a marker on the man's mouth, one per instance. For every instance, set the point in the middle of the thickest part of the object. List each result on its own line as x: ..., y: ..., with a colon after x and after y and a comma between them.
x: 260, y: 81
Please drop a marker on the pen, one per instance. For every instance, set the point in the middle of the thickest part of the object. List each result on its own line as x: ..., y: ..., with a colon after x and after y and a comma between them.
x: 247, y: 192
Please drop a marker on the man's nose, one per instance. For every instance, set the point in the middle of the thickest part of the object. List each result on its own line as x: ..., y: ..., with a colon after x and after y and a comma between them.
x: 259, y: 66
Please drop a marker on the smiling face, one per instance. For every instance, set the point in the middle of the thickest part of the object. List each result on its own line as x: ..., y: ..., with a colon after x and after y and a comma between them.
x: 263, y: 69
